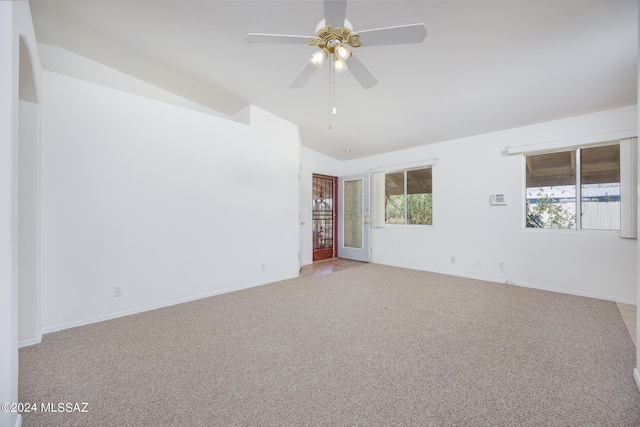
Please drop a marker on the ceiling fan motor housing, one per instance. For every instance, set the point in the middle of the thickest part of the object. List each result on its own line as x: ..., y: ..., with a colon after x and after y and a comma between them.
x: 329, y: 37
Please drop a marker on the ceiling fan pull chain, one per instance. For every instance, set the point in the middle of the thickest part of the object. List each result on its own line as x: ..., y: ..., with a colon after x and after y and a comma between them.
x: 332, y: 90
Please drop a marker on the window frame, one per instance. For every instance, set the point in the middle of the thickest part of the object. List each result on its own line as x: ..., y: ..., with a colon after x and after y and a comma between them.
x: 577, y: 149
x: 405, y: 194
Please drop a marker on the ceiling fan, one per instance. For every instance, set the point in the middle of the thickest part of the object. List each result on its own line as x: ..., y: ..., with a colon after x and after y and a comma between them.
x: 336, y: 40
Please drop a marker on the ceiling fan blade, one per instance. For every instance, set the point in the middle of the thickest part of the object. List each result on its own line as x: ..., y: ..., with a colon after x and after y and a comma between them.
x: 303, y: 76
x: 334, y: 12
x: 361, y: 72
x: 278, y: 38
x: 413, y: 33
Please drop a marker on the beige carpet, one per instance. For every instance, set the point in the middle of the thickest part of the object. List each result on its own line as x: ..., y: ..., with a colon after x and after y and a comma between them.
x: 368, y: 346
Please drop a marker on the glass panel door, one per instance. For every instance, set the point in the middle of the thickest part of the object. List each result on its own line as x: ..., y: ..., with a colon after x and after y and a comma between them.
x: 353, y: 221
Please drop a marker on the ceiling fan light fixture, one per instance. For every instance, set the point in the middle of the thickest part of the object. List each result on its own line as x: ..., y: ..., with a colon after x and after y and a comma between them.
x: 318, y: 57
x: 335, y: 41
x: 343, y: 51
x: 339, y: 65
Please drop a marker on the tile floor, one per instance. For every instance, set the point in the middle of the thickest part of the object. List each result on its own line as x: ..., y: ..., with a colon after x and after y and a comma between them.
x: 628, y: 313
x: 327, y: 266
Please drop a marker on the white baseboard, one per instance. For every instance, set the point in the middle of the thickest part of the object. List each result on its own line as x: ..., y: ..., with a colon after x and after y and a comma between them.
x: 577, y: 293
x: 636, y: 376
x: 32, y: 341
x: 156, y: 306
x: 522, y: 284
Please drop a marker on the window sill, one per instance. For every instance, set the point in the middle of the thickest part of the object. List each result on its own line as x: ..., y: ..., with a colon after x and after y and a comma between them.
x: 614, y: 233
x: 407, y: 225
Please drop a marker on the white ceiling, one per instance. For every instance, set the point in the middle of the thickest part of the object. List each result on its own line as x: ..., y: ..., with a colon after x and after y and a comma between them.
x: 486, y: 65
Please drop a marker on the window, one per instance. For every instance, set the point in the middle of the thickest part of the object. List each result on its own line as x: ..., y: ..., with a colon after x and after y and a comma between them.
x: 408, y: 197
x: 574, y: 189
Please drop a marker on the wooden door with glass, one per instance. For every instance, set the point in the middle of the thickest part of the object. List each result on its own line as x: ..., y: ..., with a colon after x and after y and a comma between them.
x: 324, y: 217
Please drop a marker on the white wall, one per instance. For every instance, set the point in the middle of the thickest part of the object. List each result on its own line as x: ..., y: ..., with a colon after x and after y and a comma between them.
x: 19, y: 77
x: 65, y: 62
x: 168, y: 203
x: 466, y: 226
x: 29, y: 330
x: 312, y: 162
x: 8, y: 285
x: 636, y: 373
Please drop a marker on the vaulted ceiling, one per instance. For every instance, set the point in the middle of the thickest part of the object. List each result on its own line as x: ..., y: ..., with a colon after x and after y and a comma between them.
x: 486, y: 65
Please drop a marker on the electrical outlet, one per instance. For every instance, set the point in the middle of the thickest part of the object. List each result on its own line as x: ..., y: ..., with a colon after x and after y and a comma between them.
x: 501, y: 265
x: 117, y: 291
x: 264, y: 266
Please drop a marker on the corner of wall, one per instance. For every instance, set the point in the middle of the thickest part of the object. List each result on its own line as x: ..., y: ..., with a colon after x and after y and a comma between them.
x: 262, y: 119
x: 636, y: 375
x: 243, y: 116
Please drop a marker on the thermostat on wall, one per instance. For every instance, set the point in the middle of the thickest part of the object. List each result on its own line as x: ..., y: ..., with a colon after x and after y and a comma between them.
x: 498, y: 199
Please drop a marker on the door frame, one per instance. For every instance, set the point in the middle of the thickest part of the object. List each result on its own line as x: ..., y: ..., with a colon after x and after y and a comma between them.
x: 335, y: 198
x: 363, y: 254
